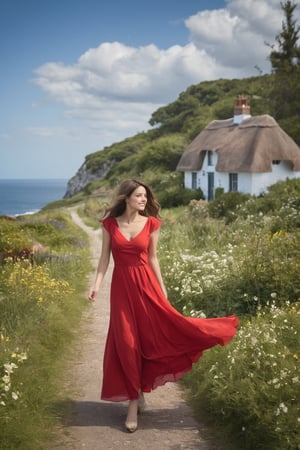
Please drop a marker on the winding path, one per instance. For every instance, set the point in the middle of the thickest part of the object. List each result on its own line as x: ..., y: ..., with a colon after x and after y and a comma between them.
x: 166, y: 424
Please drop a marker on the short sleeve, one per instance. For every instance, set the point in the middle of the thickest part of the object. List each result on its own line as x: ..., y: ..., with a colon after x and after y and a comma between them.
x: 107, y: 223
x: 154, y: 224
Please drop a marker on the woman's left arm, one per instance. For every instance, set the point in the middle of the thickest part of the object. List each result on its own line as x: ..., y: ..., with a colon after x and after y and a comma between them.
x: 153, y: 259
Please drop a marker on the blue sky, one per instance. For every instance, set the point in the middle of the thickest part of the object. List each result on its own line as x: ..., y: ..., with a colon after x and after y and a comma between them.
x: 78, y: 75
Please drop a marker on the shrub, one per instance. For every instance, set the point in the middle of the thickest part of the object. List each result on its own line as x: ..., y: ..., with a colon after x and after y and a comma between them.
x: 178, y: 196
x: 252, y: 386
x: 13, y: 239
x: 226, y: 205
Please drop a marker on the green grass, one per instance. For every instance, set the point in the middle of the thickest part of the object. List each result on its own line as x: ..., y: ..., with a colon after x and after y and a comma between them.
x: 40, y: 308
x: 247, y: 391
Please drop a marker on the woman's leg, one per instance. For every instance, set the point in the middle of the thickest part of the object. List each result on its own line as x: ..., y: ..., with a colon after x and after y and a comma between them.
x: 131, y: 420
x: 141, y: 403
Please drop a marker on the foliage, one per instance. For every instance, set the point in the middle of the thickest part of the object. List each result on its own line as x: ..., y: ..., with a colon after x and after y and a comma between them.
x: 285, y: 60
x: 280, y: 206
x: 252, y: 386
x: 287, y: 57
x: 52, y: 229
x: 210, y: 100
x: 39, y: 311
x: 213, y: 268
x: 162, y: 154
x: 12, y: 239
x: 225, y: 204
x: 234, y: 266
x: 178, y: 195
x: 116, y: 152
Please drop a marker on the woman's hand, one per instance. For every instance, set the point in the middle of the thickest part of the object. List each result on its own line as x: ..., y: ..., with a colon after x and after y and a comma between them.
x: 92, y: 295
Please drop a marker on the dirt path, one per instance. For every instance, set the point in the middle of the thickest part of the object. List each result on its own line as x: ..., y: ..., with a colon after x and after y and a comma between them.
x: 167, y: 423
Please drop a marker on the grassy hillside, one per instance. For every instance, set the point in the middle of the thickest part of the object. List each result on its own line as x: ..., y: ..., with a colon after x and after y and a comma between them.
x: 153, y: 155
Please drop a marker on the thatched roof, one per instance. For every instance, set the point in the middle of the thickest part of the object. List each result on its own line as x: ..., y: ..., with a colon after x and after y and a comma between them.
x: 250, y: 146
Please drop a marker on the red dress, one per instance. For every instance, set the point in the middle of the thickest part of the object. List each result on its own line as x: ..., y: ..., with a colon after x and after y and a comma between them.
x: 149, y: 342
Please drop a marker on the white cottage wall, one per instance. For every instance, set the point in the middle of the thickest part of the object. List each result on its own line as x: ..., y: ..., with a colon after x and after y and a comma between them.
x: 248, y: 183
x: 280, y: 172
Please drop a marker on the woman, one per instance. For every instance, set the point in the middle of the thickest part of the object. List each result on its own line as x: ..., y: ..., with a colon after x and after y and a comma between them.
x: 148, y: 341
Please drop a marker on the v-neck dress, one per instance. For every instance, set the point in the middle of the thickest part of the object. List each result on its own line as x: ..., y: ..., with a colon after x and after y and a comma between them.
x: 149, y: 342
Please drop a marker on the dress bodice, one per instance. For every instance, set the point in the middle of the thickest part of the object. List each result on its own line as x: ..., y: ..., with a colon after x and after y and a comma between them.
x: 130, y: 252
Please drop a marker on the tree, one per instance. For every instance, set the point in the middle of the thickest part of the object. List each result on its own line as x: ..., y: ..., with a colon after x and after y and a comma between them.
x: 287, y: 57
x: 285, y: 60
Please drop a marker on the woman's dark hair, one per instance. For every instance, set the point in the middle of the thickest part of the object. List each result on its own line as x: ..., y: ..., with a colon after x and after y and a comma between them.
x: 125, y: 190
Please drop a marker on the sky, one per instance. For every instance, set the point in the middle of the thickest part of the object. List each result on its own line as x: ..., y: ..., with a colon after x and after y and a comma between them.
x: 79, y: 75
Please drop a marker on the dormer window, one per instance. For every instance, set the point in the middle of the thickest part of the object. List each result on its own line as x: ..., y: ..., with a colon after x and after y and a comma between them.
x: 209, y: 158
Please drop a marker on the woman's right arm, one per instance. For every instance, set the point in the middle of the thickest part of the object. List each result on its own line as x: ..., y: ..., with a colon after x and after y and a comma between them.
x: 102, y: 266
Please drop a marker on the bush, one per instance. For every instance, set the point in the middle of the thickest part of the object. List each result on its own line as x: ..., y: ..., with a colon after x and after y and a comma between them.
x: 226, y: 205
x: 13, y: 239
x: 280, y: 206
x: 252, y: 386
x: 178, y: 196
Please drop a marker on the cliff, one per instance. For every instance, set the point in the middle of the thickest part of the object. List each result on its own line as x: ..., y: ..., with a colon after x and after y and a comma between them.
x: 86, y: 175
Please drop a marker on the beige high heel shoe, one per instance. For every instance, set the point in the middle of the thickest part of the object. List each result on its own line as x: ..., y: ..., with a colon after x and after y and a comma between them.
x: 132, y: 425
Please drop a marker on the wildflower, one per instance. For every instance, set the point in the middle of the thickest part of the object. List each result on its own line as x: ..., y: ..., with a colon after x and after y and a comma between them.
x: 275, y: 380
x: 6, y: 379
x: 283, y: 407
x: 14, y: 395
x: 9, y: 367
x: 4, y: 338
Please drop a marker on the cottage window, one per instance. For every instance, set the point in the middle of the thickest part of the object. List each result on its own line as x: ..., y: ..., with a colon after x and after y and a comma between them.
x: 233, y: 182
x: 209, y: 158
x: 194, y: 180
x: 276, y: 162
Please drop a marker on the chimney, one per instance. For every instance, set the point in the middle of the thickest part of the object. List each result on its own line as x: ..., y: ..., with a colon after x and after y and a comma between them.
x: 242, y: 109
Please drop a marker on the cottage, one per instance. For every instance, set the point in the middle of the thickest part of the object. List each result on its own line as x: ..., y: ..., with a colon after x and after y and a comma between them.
x: 244, y: 153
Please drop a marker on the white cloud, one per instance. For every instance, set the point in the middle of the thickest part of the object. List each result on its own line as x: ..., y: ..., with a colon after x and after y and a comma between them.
x: 236, y: 36
x: 112, y: 90
x: 116, y: 71
x: 261, y: 17
x: 49, y: 132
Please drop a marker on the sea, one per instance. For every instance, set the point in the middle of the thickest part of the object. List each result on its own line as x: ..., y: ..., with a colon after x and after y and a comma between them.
x: 28, y: 196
